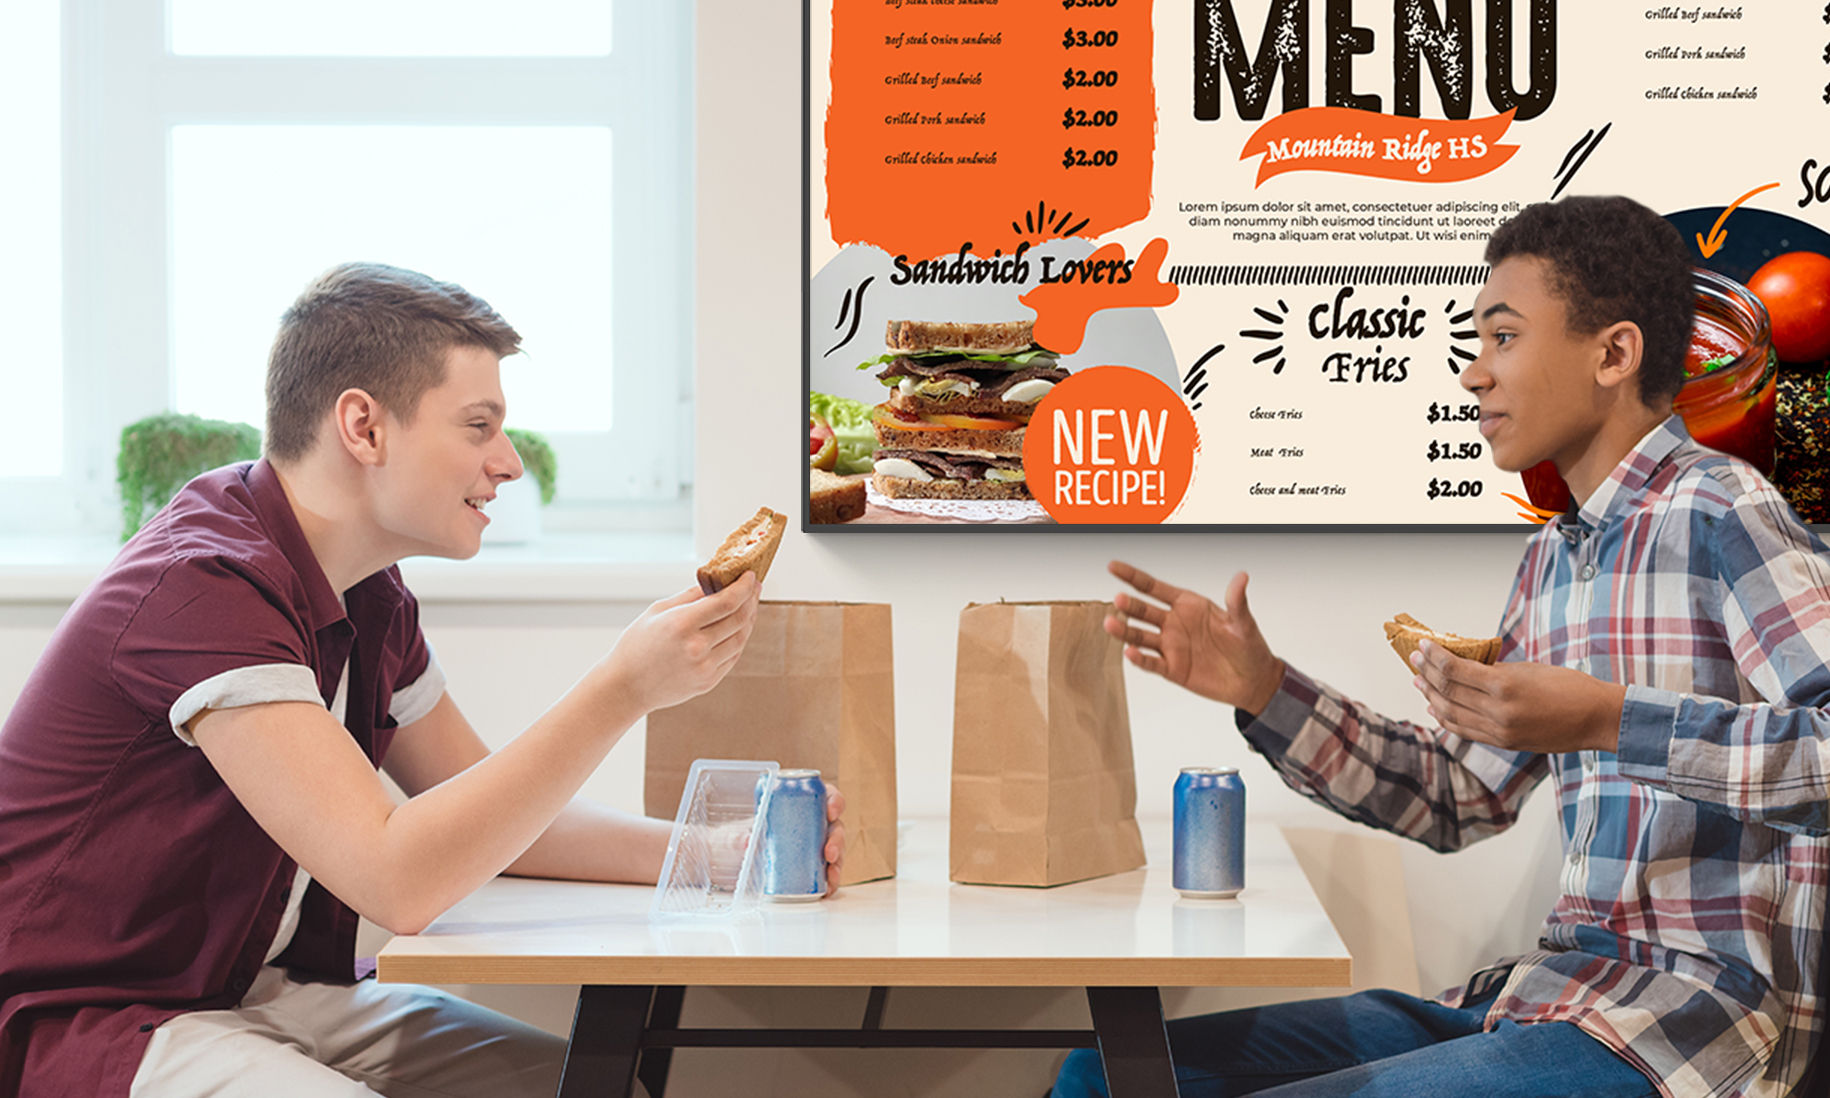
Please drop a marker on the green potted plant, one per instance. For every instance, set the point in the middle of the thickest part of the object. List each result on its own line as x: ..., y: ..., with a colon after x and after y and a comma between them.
x: 515, y: 516
x: 160, y: 453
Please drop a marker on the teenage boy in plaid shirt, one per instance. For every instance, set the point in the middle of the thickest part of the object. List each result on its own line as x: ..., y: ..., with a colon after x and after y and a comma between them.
x: 1663, y: 662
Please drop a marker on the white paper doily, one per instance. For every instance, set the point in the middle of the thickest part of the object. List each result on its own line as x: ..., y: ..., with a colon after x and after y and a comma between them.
x: 960, y: 510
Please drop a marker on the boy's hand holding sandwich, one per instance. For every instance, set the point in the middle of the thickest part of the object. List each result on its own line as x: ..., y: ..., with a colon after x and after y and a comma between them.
x: 683, y: 645
x: 1517, y: 705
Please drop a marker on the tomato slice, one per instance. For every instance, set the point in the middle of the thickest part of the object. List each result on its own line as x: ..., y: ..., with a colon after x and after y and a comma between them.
x: 818, y: 433
x: 974, y: 423
x: 899, y: 420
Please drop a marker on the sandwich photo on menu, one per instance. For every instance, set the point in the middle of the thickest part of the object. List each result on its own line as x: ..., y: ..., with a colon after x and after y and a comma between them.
x: 961, y: 395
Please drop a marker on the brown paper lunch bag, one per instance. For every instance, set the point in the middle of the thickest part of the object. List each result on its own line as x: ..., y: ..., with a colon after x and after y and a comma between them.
x: 1044, y: 788
x: 813, y: 688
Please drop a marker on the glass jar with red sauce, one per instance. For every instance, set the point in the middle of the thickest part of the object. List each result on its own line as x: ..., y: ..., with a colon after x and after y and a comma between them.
x: 1730, y: 372
x: 1730, y: 384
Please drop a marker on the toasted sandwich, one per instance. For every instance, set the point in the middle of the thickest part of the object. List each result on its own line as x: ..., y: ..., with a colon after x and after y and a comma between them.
x: 966, y: 369
x: 1404, y: 631
x: 749, y: 548
x: 961, y: 396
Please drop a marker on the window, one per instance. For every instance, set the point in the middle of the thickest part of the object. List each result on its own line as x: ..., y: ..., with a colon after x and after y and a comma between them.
x: 30, y: 237
x: 396, y: 28
x: 216, y: 154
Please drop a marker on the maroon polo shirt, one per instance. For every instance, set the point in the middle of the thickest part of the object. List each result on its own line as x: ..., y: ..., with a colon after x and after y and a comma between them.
x: 133, y: 885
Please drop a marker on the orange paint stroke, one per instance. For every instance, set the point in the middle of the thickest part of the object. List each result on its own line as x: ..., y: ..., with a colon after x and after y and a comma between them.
x: 1063, y: 308
x: 1532, y: 512
x: 1717, y: 235
x: 1381, y: 146
x: 950, y: 124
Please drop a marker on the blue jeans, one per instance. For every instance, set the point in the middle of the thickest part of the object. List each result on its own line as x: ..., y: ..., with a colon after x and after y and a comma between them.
x: 1377, y: 1044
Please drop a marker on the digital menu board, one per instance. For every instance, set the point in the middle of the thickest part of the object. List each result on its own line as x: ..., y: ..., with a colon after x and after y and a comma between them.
x: 1212, y: 262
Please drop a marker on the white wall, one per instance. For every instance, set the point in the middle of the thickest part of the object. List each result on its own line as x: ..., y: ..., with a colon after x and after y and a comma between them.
x: 1320, y: 598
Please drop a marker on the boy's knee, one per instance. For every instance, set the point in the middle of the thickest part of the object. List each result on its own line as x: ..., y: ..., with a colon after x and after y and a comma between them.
x: 1082, y: 1076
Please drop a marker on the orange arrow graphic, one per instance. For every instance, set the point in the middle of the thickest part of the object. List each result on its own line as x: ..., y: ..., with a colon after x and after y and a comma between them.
x: 1716, y: 236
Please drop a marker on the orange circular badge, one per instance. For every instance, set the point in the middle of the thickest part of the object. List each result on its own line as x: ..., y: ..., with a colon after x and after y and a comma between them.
x: 1110, y: 444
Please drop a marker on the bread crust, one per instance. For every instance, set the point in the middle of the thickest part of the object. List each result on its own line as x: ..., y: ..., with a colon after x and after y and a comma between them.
x: 956, y: 404
x: 1002, y: 338
x: 749, y: 548
x: 832, y: 498
x: 1002, y: 443
x: 941, y: 488
x: 1404, y: 632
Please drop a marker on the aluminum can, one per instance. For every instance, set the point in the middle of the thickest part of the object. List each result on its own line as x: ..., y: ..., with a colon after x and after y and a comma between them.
x: 794, y: 836
x: 1209, y: 833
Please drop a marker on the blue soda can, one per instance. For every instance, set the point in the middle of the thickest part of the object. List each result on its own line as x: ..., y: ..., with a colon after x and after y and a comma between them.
x: 1210, y: 833
x: 794, y: 836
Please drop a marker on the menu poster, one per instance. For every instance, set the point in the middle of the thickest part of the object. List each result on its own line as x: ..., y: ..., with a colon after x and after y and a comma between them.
x: 1212, y: 262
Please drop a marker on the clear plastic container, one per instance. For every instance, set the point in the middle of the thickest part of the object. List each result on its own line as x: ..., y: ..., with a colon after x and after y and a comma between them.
x: 710, y: 873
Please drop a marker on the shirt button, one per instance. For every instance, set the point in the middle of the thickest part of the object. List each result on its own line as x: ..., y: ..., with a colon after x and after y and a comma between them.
x: 1588, y: 572
x: 239, y: 984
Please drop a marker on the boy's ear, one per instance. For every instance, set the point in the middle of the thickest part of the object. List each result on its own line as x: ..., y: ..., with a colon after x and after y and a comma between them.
x: 1623, y: 346
x: 360, y: 426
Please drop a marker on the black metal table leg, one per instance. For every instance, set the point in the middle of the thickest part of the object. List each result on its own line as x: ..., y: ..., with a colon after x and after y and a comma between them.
x: 664, y: 1014
x: 873, y: 1007
x: 606, y: 1041
x: 1133, y: 1042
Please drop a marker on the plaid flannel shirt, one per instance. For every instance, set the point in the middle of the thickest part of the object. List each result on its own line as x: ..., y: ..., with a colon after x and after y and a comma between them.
x: 1689, y: 932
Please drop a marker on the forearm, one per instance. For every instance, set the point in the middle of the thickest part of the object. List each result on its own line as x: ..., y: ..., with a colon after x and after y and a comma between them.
x: 446, y: 842
x: 1393, y: 775
x: 594, y: 842
x: 1755, y: 762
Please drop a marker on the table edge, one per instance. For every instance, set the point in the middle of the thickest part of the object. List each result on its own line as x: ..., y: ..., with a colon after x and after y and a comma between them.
x: 869, y: 972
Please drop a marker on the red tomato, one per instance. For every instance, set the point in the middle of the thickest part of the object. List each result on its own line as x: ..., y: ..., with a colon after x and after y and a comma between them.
x: 818, y: 431
x: 822, y: 444
x: 1795, y: 287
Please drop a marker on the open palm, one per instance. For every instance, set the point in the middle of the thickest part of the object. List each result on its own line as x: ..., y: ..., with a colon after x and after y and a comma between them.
x: 1216, y: 651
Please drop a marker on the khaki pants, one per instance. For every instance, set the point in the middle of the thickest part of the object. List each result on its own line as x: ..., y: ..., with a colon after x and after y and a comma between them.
x: 290, y: 1039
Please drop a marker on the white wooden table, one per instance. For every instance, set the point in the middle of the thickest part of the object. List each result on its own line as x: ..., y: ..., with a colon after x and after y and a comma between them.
x: 1121, y: 937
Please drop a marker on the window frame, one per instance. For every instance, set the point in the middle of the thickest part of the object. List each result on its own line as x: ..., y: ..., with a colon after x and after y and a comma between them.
x: 124, y: 90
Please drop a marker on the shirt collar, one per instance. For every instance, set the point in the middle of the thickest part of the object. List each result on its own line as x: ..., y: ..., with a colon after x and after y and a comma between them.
x: 1620, y: 491
x: 283, y: 526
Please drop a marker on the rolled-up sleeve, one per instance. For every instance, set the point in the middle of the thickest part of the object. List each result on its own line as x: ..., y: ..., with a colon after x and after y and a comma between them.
x: 211, y: 633
x: 416, y: 699
x: 1766, y: 757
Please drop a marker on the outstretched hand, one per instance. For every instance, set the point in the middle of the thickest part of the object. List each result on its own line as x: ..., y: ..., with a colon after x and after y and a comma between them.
x: 1519, y: 706
x: 1215, y: 651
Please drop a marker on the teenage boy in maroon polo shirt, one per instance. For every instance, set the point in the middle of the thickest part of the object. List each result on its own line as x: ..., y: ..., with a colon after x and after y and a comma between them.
x: 191, y: 816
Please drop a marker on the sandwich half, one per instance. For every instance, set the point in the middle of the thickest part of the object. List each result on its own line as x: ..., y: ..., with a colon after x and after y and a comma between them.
x: 1404, y: 631
x: 749, y: 548
x: 832, y: 498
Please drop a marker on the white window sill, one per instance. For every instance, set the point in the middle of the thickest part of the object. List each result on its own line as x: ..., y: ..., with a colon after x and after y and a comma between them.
x: 620, y: 566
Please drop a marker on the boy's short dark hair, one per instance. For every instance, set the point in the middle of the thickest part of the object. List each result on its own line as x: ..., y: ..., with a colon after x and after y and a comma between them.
x: 1613, y: 259
x: 369, y: 326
